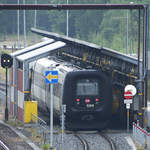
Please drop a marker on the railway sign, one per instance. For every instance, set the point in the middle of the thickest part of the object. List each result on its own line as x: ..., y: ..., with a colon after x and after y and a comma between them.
x: 131, y: 88
x: 6, y: 61
x: 51, y: 77
x: 127, y: 101
x: 128, y: 95
x: 127, y: 106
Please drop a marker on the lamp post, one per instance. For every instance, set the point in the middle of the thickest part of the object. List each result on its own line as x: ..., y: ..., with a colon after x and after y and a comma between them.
x: 127, y: 34
x: 24, y: 26
x: 18, y: 30
x: 35, y: 16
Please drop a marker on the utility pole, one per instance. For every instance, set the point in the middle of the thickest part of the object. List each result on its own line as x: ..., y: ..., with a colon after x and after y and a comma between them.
x: 24, y: 21
x: 18, y: 29
x: 127, y: 34
x: 67, y: 26
x: 35, y: 18
x: 131, y: 33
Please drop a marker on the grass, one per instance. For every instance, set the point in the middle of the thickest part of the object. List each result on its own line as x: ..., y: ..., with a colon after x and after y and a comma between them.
x: 45, y: 146
x: 14, y: 122
x: 140, y: 148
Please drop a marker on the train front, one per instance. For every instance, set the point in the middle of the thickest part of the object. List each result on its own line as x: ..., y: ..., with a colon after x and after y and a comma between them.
x: 88, y: 99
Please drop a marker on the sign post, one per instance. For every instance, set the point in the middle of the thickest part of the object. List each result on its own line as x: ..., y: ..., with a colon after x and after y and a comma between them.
x: 63, y: 124
x: 128, y: 101
x: 130, y: 91
x: 51, y: 77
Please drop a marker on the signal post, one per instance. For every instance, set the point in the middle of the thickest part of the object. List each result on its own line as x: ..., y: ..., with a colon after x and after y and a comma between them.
x: 6, y: 62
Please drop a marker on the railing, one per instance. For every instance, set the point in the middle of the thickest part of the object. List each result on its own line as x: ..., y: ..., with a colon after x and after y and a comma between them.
x: 41, y: 124
x: 141, y: 136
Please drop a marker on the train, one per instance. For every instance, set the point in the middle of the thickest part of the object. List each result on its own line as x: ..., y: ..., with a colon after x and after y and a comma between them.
x: 86, y: 93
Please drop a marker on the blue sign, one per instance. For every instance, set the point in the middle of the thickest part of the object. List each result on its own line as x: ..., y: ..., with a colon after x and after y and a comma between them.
x: 51, y: 77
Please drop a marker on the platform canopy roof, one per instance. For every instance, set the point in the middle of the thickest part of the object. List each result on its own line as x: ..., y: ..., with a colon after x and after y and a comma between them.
x: 41, y: 52
x: 86, y: 45
x: 32, y: 47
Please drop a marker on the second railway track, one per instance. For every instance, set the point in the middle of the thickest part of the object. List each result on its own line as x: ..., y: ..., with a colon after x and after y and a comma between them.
x: 83, y: 141
x: 94, y: 140
x: 109, y: 140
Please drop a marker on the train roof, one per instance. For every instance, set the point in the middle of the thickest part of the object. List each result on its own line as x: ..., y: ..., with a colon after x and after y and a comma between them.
x: 58, y: 64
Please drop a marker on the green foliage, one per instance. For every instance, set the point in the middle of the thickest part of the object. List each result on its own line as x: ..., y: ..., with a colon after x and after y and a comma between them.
x: 103, y: 27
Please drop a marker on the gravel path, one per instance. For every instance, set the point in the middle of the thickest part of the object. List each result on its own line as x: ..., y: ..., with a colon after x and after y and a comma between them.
x: 123, y: 141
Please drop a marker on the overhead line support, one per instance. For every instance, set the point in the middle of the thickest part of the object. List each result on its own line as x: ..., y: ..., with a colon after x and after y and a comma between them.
x: 70, y: 6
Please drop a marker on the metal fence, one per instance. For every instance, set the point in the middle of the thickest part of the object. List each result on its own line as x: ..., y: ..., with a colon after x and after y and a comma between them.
x: 141, y: 136
x: 41, y: 124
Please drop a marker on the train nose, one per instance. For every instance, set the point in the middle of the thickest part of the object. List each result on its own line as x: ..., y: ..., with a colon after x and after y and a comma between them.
x: 87, y: 117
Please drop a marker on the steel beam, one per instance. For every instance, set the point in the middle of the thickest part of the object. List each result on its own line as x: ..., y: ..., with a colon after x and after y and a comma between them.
x: 70, y: 6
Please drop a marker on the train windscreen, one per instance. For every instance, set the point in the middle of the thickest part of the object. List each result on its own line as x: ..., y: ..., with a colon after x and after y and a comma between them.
x: 87, y: 87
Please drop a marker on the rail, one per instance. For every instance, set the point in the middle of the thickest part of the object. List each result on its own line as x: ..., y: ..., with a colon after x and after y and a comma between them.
x: 3, y: 146
x: 3, y: 86
x: 83, y: 141
x: 109, y: 140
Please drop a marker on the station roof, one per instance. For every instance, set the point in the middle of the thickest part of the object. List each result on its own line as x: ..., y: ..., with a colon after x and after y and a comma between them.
x: 41, y: 52
x: 33, y: 47
x: 77, y: 42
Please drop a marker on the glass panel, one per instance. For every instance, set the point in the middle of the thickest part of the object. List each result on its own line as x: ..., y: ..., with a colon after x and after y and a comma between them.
x: 87, y: 87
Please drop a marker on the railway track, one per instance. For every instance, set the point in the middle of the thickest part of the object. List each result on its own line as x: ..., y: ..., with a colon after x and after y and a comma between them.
x: 109, y: 140
x: 86, y: 144
x: 83, y: 141
x: 3, y: 90
x: 2, y: 87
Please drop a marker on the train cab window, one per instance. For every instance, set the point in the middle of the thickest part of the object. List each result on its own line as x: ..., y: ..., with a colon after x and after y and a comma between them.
x: 87, y: 87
